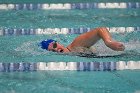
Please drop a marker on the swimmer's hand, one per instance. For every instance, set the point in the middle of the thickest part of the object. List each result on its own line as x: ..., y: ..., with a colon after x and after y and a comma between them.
x: 114, y: 45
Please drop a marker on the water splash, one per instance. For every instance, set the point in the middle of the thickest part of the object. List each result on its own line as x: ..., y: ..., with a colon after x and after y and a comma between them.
x: 31, y: 47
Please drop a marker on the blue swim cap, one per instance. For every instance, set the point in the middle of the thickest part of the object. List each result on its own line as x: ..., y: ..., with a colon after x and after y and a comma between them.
x: 45, y: 43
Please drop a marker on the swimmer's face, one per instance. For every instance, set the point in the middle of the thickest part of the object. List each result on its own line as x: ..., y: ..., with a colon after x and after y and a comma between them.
x: 56, y: 47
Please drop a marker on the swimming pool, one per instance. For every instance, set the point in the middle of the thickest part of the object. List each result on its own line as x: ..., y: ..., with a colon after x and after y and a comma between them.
x: 25, y: 67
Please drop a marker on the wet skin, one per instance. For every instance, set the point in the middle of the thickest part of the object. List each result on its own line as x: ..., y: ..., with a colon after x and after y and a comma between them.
x: 87, y: 40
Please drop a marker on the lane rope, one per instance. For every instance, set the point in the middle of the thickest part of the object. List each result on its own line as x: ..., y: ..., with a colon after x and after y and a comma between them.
x: 46, y: 6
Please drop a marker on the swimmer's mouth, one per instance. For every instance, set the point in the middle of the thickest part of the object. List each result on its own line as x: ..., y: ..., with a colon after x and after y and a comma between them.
x: 61, y: 50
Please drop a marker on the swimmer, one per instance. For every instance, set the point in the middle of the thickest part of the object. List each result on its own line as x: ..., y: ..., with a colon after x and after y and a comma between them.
x: 84, y: 41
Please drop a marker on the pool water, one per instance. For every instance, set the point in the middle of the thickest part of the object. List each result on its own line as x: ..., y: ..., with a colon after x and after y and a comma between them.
x: 74, y: 18
x: 70, y: 82
x: 23, y: 48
